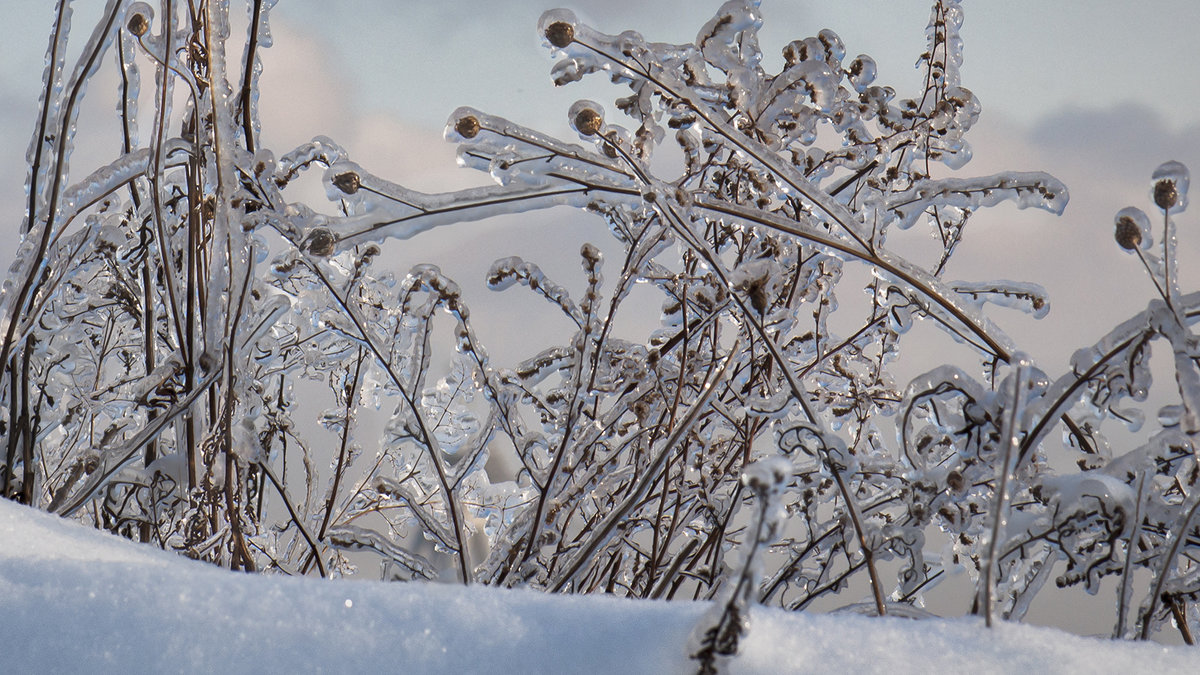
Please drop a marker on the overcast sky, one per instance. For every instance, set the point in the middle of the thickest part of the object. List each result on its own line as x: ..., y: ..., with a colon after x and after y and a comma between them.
x: 1097, y: 93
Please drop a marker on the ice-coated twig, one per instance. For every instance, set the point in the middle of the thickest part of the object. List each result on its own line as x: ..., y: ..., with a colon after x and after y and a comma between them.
x: 1131, y: 548
x: 1010, y: 437
x: 1175, y: 537
x: 118, y: 458
x: 1026, y: 190
x: 354, y: 538
x: 682, y: 427
x: 717, y: 635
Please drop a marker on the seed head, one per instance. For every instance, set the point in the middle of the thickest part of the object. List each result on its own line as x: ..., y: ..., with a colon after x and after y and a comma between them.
x: 1166, y: 195
x: 1129, y: 234
x: 138, y: 25
x: 560, y: 34
x: 321, y: 243
x: 588, y: 121
x: 348, y: 182
x: 467, y: 126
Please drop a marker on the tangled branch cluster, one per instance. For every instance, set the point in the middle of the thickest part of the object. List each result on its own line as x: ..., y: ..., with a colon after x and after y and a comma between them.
x: 167, y: 314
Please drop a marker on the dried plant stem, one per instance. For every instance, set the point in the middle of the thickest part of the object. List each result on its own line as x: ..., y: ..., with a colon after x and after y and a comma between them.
x: 1177, y: 535
x: 604, y: 530
x: 418, y: 414
x: 1000, y: 509
x: 1127, y: 569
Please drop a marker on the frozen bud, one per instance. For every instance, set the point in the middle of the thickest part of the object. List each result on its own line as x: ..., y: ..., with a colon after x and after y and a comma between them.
x: 1171, y: 186
x: 321, y: 242
x: 591, y: 255
x: 799, y: 51
x: 368, y: 254
x: 586, y: 118
x: 610, y: 145
x: 138, y: 25
x: 956, y: 482
x: 348, y: 182
x: 467, y: 126
x: 1129, y: 235
x: 833, y: 46
x: 1132, y: 229
x: 560, y: 34
x: 861, y: 72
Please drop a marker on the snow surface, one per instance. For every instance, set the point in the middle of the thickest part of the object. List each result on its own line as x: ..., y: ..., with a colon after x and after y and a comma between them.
x: 78, y: 600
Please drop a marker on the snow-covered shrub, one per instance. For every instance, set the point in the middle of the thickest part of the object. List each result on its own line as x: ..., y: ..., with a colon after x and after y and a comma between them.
x: 172, y: 318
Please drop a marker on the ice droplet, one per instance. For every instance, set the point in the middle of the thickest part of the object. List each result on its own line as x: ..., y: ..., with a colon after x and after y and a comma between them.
x: 861, y: 72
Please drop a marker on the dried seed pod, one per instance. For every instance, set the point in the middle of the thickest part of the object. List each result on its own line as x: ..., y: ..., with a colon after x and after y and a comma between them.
x: 560, y: 34
x: 1166, y: 196
x: 588, y: 122
x: 138, y: 25
x: 348, y: 182
x: 587, y: 117
x: 1171, y: 186
x: 1129, y: 235
x: 1132, y: 229
x: 467, y: 126
x: 321, y: 242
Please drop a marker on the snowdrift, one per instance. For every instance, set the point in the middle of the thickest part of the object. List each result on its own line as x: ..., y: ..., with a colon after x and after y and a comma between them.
x: 74, y: 599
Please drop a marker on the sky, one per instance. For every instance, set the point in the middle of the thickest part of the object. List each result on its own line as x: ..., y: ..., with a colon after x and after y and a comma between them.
x: 1097, y: 93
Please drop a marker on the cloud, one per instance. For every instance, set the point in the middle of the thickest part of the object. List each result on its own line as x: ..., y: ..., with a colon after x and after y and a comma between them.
x: 1126, y: 139
x: 1105, y: 157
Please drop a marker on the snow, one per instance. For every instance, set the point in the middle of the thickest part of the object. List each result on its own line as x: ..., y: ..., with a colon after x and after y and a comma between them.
x: 77, y: 600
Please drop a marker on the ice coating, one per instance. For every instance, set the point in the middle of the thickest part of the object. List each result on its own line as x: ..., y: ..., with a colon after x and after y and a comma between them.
x: 1026, y: 190
x: 944, y: 53
x: 50, y: 104
x: 717, y: 635
x: 861, y: 72
x: 754, y: 436
x: 130, y: 86
x: 354, y: 538
x: 110, y: 177
x: 1024, y: 296
x: 258, y: 37
x: 49, y: 166
x: 507, y: 271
